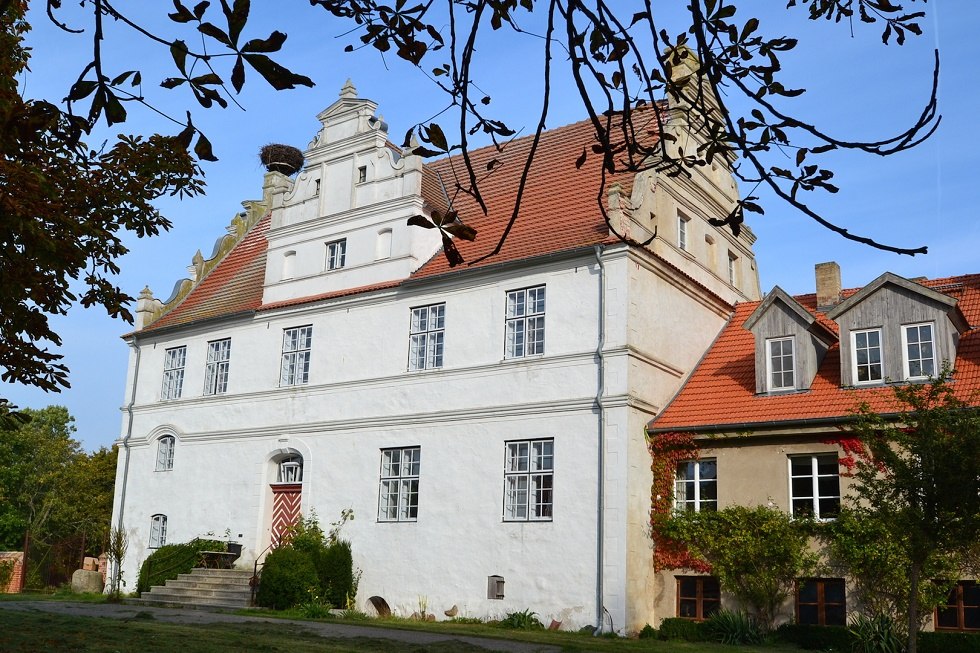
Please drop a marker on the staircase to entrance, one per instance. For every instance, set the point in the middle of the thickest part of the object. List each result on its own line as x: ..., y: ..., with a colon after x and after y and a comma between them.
x: 214, y: 588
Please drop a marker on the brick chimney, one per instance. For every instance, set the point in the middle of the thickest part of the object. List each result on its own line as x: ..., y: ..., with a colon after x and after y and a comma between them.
x: 828, y: 285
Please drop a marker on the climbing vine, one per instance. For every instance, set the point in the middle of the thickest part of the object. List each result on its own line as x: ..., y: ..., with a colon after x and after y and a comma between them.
x: 666, y: 451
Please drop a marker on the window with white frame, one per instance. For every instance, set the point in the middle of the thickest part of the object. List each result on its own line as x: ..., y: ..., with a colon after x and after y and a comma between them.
x: 296, y: 345
x: 781, y: 364
x: 529, y: 474
x: 216, y: 369
x: 919, y: 350
x: 165, y: 453
x: 290, y: 470
x: 399, y: 493
x: 173, y: 372
x: 336, y: 254
x: 696, y: 485
x: 866, y: 356
x: 426, y: 337
x: 732, y: 269
x: 682, y: 236
x: 158, y: 531
x: 525, y: 322
x: 814, y: 486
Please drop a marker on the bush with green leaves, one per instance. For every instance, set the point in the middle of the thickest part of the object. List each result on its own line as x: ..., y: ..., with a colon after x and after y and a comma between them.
x: 756, y: 553
x: 735, y: 628
x: 648, y: 632
x: 815, y: 638
x: 525, y: 620
x: 171, y: 560
x: 335, y: 572
x: 684, y: 629
x: 875, y: 634
x: 288, y: 578
x: 941, y: 642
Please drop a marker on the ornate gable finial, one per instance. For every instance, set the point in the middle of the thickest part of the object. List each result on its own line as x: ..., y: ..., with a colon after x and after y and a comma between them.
x: 348, y: 92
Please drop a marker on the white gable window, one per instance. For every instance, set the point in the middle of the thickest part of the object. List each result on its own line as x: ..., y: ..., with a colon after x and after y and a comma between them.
x: 216, y: 369
x: 525, y: 322
x: 866, y: 356
x: 290, y: 470
x: 158, y: 531
x: 781, y: 364
x: 682, y: 235
x: 426, y: 338
x: 398, y: 499
x: 919, y: 351
x: 529, y: 470
x: 814, y: 486
x: 165, y: 453
x: 696, y: 485
x: 173, y: 372
x: 336, y: 254
x: 296, y: 345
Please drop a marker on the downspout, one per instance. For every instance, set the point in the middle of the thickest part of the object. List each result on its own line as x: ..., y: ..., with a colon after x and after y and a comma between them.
x: 600, y: 492
x: 129, y: 432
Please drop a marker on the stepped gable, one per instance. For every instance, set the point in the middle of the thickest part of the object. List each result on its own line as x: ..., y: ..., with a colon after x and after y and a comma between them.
x: 559, y: 209
x: 233, y: 286
x: 721, y: 391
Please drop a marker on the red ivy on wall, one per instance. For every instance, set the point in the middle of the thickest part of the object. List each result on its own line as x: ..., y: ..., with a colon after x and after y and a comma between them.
x: 853, y: 449
x: 666, y: 451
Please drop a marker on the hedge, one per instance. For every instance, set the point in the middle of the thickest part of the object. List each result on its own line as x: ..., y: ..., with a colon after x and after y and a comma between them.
x: 171, y: 560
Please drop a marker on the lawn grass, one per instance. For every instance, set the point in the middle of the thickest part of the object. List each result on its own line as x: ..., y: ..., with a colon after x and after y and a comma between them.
x: 29, y: 631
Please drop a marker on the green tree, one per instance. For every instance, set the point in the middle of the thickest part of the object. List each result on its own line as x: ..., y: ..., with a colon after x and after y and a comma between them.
x: 917, y: 478
x: 756, y: 553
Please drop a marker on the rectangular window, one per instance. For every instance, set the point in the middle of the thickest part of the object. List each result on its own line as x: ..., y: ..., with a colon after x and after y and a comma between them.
x: 399, y: 496
x: 698, y: 597
x: 821, y: 602
x: 165, y: 453
x: 920, y: 357
x: 682, y: 232
x: 158, y: 531
x: 866, y: 356
x: 216, y: 369
x: 962, y: 608
x: 426, y: 337
x: 732, y: 269
x: 296, y: 345
x: 336, y: 254
x: 696, y: 485
x: 173, y: 372
x: 525, y: 323
x: 529, y: 470
x: 814, y: 486
x: 781, y: 363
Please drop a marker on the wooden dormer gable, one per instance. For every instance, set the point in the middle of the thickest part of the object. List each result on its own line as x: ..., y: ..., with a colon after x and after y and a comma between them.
x: 893, y: 308
x: 789, y: 343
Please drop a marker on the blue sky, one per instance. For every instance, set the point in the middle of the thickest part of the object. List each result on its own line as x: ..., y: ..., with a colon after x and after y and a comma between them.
x: 857, y: 89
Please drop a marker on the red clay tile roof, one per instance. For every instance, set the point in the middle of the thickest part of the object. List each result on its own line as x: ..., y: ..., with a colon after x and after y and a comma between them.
x: 720, y: 394
x: 559, y: 211
x: 233, y: 286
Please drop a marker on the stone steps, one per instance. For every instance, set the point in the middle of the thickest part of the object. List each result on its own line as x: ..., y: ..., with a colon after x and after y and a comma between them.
x: 217, y: 588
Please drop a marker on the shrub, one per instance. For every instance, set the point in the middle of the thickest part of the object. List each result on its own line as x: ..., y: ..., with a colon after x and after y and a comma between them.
x: 940, y: 642
x: 288, y: 577
x: 685, y: 629
x: 171, y: 560
x: 734, y: 628
x: 335, y: 572
x: 315, y: 607
x: 648, y: 632
x: 525, y: 620
x: 815, y: 638
x: 875, y: 634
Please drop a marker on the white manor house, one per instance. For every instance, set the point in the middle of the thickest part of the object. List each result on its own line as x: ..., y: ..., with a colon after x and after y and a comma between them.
x: 484, y: 422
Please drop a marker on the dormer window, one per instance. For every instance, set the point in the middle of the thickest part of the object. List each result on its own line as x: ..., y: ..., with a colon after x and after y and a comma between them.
x: 866, y: 356
x: 920, y: 356
x: 781, y: 362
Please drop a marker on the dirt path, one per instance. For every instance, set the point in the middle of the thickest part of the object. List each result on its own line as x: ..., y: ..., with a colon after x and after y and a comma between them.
x: 191, y: 617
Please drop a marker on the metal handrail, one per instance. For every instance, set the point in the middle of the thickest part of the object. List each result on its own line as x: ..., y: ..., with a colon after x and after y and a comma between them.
x: 253, y: 582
